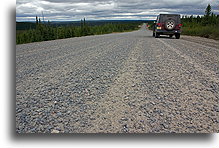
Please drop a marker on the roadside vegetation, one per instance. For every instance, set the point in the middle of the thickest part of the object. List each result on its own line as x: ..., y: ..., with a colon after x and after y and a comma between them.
x: 46, y: 31
x: 204, y: 26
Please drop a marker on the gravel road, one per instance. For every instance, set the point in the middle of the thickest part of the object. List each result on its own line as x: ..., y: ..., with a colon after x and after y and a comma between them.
x: 118, y: 83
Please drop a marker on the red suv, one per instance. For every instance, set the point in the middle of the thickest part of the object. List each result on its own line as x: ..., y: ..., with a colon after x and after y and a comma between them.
x: 167, y: 24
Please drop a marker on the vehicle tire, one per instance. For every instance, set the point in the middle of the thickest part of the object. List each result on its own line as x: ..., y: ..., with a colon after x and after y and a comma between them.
x: 170, y: 35
x: 157, y: 35
x: 177, y: 35
x: 170, y: 24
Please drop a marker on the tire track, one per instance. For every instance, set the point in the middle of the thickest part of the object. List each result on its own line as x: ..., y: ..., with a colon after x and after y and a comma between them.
x: 208, y: 73
x: 114, y: 115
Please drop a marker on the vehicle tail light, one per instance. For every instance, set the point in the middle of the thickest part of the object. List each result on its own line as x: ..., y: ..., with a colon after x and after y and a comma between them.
x: 159, y: 24
x: 178, y: 26
x: 162, y: 25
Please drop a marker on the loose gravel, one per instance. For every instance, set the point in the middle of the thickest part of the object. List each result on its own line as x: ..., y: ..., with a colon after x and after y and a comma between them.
x: 118, y: 83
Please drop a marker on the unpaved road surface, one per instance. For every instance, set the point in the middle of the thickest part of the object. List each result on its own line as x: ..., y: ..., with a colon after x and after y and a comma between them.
x: 118, y: 83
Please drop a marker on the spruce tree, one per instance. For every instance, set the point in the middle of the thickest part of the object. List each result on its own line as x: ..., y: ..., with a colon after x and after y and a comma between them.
x: 207, y: 15
x: 37, y: 20
x: 208, y: 11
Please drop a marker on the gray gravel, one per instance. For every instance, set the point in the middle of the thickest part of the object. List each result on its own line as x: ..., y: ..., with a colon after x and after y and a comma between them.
x: 118, y: 83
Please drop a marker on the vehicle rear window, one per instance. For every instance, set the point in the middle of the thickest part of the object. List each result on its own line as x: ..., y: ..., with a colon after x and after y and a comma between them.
x: 172, y: 15
x: 164, y: 17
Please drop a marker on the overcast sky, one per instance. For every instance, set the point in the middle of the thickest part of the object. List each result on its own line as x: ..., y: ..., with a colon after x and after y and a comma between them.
x: 74, y: 10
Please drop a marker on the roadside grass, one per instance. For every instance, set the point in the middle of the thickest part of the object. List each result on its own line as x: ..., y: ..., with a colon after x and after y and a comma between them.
x: 211, y: 31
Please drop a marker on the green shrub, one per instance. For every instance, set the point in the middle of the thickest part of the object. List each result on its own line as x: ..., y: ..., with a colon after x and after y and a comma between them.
x: 210, y: 31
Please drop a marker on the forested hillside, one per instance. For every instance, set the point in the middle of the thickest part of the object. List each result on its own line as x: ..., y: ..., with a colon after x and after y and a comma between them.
x: 204, y: 26
x: 42, y: 31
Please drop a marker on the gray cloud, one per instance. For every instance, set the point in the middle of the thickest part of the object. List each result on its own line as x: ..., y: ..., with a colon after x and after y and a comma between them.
x: 109, y: 9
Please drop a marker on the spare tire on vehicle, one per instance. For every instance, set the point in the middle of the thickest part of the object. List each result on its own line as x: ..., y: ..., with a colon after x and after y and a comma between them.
x: 170, y: 24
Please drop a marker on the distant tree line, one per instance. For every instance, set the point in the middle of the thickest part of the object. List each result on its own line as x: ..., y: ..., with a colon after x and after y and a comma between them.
x: 205, y: 26
x: 208, y: 19
x: 45, y: 31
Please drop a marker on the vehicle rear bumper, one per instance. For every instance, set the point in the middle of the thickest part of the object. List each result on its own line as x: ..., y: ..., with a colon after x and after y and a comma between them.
x: 167, y: 32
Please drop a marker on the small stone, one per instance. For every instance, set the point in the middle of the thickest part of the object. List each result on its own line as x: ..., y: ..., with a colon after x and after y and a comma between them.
x: 164, y: 125
x: 124, y: 119
x: 125, y: 128
x: 59, y: 114
x: 101, y: 128
x: 54, y: 131
x: 216, y: 108
x: 19, y: 110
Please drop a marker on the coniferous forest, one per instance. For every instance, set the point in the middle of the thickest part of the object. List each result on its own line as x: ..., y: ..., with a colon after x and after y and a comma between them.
x: 204, y: 26
x: 44, y: 31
